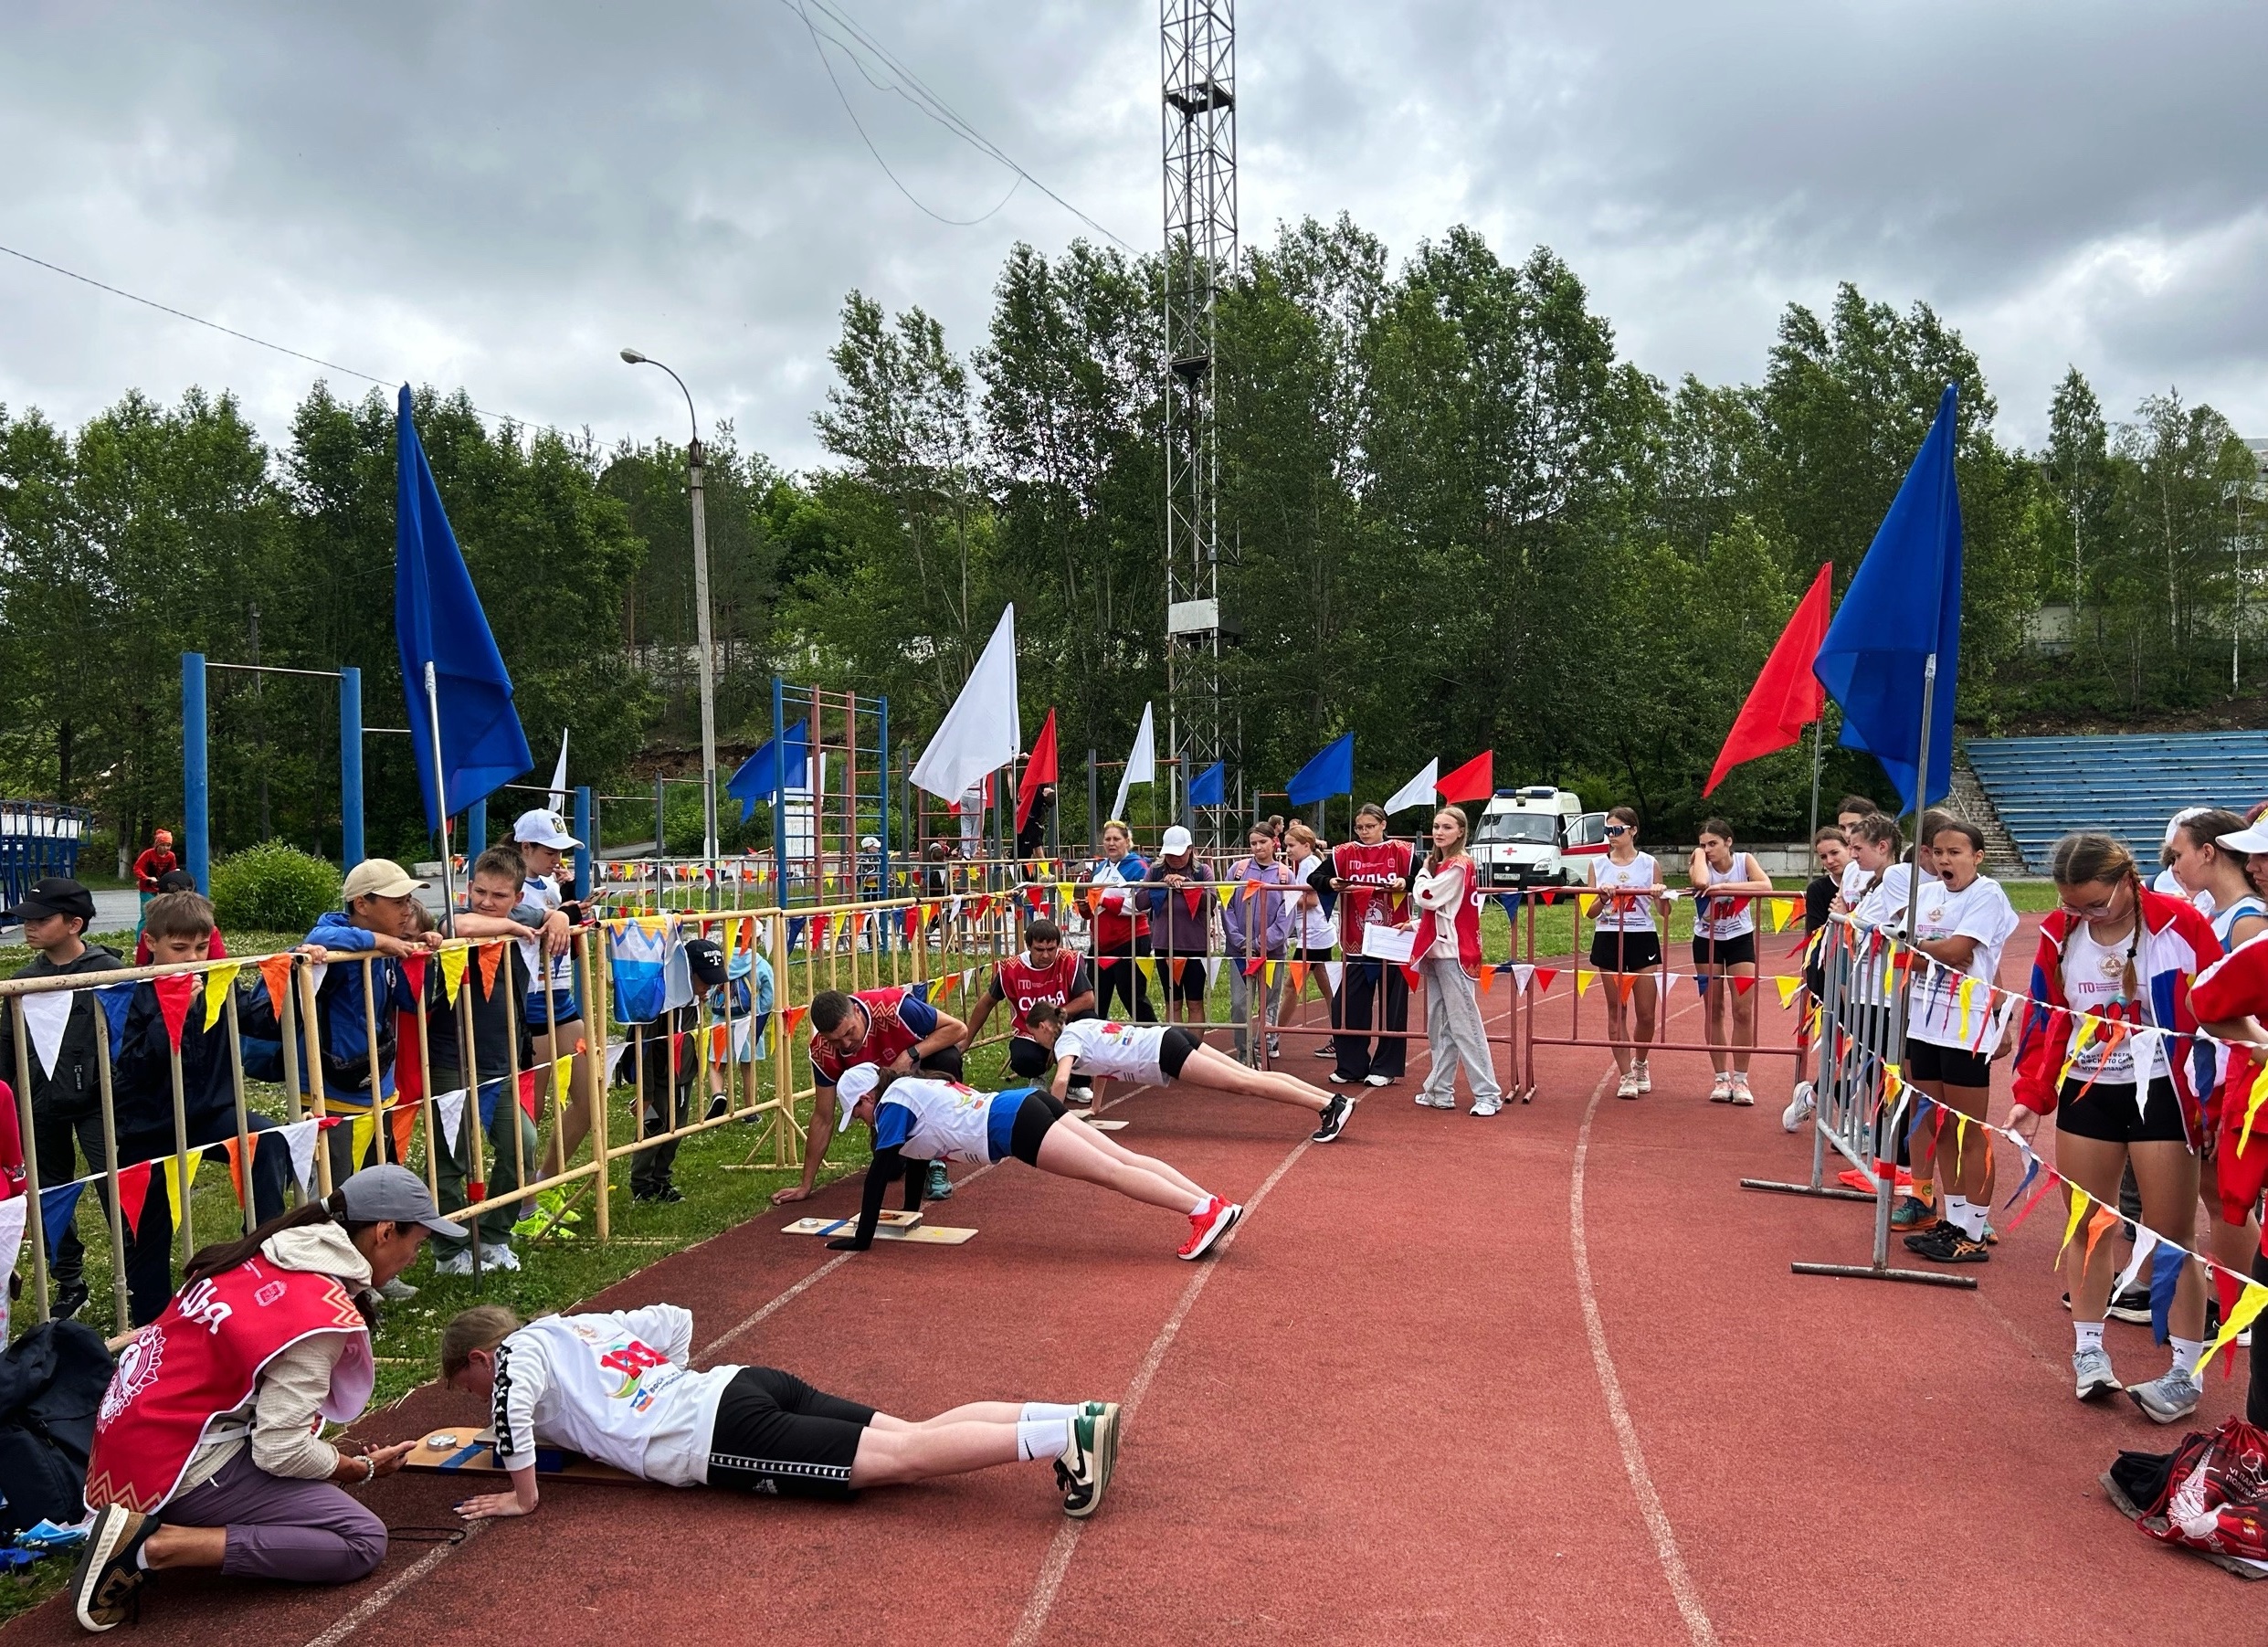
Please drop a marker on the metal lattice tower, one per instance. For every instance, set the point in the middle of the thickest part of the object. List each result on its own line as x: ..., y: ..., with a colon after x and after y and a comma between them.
x: 1199, y: 116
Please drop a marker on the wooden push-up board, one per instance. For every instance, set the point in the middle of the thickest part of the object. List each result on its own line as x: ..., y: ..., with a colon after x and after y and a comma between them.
x: 467, y: 1453
x: 894, y: 1227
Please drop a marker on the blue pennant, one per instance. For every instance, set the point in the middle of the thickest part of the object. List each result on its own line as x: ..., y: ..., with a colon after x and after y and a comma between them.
x: 56, y: 1207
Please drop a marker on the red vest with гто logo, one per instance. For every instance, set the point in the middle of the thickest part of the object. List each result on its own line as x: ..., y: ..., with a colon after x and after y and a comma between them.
x: 202, y: 1359
x: 1467, y: 916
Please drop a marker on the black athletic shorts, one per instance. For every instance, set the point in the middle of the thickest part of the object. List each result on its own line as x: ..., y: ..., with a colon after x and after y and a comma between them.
x: 1039, y: 1112
x: 1196, y: 977
x: 1174, y: 1049
x: 1739, y: 950
x: 1927, y: 1061
x: 2108, y: 1113
x: 1626, y: 951
x: 776, y: 1434
x: 1033, y: 1062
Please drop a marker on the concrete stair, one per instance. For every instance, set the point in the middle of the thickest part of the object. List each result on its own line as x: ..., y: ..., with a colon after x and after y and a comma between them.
x: 1969, y: 802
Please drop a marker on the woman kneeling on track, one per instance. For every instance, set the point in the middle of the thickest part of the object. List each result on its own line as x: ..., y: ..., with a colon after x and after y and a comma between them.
x: 1961, y: 920
x: 2123, y: 956
x: 206, y: 1452
x: 918, y: 1121
x: 1163, y: 1054
x: 616, y: 1387
x: 1724, y: 948
x: 1624, y: 942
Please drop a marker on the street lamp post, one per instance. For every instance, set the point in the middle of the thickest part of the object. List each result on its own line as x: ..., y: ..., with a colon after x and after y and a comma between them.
x: 708, y: 651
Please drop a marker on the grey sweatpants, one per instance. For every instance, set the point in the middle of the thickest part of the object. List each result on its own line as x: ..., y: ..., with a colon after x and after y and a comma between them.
x: 1453, y: 1033
x: 304, y: 1532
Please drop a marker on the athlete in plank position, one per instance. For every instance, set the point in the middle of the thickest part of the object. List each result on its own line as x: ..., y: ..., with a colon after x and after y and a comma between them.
x: 616, y: 1387
x: 1155, y: 1055
x: 917, y: 1121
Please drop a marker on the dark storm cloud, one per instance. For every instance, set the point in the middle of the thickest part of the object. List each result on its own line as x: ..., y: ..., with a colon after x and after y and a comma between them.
x: 504, y: 196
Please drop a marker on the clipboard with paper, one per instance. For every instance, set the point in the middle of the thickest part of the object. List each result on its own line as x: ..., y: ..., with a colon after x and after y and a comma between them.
x: 1395, y: 943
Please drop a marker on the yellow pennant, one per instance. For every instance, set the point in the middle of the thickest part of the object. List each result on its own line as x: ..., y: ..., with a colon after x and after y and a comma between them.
x: 560, y: 1070
x: 453, y: 958
x: 1063, y: 891
x: 2079, y: 1205
x: 2241, y: 1315
x: 217, y: 983
x: 1965, y: 994
x: 1226, y: 892
x: 2251, y: 1106
x: 174, y: 1186
x: 1267, y: 971
x: 1583, y: 981
x: 359, y: 1133
x: 1788, y: 988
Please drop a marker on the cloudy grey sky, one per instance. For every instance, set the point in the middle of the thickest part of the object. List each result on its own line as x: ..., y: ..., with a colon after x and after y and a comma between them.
x: 501, y: 196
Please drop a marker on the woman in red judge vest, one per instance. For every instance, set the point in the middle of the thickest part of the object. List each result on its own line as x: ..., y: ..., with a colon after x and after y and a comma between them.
x: 206, y: 1446
x: 1448, y: 952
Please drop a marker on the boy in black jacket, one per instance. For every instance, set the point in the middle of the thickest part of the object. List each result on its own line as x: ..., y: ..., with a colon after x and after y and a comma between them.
x: 669, y: 1055
x: 66, y: 1095
x: 179, y: 927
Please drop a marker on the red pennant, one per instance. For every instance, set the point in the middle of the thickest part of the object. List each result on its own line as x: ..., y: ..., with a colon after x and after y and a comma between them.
x: 1194, y: 897
x: 1252, y: 967
x: 1544, y: 976
x: 134, y: 1189
x: 984, y: 907
x: 172, y: 1002
x: 475, y: 1191
x: 912, y: 925
x: 1039, y: 768
x: 491, y: 957
x: 235, y: 1166
x: 413, y: 969
x: 1742, y: 985
x: 1410, y: 974
x: 527, y: 1092
x: 2047, y: 1180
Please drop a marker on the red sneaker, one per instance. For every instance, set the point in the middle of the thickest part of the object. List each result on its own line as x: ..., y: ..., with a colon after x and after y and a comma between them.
x: 1207, y: 1226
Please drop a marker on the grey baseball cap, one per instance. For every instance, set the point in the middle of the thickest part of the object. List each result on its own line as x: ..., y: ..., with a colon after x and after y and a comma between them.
x: 392, y: 1194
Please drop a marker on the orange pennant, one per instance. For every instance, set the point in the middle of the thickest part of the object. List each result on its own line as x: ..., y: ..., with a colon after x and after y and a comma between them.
x: 276, y: 972
x: 491, y: 957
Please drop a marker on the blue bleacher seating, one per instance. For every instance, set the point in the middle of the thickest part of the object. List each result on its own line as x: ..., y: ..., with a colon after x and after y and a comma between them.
x: 2126, y: 785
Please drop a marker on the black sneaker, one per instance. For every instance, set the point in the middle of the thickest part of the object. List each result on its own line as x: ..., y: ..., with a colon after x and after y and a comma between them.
x: 70, y: 1299
x: 719, y: 1105
x: 1948, y: 1244
x: 1334, y: 1114
x: 106, y: 1587
x: 2132, y: 1306
x: 668, y: 1195
x: 1913, y: 1241
x: 1084, y: 1472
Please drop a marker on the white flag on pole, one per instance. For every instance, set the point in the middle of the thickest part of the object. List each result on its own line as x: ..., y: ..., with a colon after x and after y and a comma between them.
x: 1140, y: 766
x: 559, y: 775
x: 1419, y: 790
x: 983, y: 729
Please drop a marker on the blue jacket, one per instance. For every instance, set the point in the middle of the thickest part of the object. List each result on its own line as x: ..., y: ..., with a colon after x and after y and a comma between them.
x: 342, y: 1024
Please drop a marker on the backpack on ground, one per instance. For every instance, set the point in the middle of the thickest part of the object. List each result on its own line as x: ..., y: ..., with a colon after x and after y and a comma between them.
x: 51, y: 1382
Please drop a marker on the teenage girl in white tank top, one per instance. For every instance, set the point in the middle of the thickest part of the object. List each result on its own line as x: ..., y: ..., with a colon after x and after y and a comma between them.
x: 1724, y: 948
x: 1626, y: 941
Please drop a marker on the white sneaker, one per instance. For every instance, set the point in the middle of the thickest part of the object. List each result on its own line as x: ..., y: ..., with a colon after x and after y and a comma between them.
x: 1721, y: 1089
x: 398, y: 1290
x: 1627, y: 1087
x: 1639, y: 1073
x: 498, y: 1258
x: 1432, y: 1100
x: 459, y: 1263
x: 1799, y: 1108
x: 1376, y: 1079
x: 1741, y: 1094
x: 1487, y: 1106
x: 2090, y: 1370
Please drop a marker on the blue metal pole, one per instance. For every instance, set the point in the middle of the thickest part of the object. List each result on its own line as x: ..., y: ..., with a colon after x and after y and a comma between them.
x: 476, y: 829
x: 780, y: 795
x: 196, y: 789
x: 590, y: 845
x: 350, y: 766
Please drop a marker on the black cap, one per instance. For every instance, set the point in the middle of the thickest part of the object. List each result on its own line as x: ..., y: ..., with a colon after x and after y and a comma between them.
x: 54, y: 895
x: 176, y: 881
x: 706, y: 961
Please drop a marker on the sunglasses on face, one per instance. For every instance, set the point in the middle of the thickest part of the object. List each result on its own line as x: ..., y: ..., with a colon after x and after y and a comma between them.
x: 1613, y: 830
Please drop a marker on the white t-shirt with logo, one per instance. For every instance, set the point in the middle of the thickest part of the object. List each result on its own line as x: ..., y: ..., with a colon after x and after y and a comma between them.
x: 1641, y: 873
x: 613, y: 1387
x: 539, y: 895
x: 2093, y: 982
x: 1979, y: 911
x: 934, y: 1121
x: 1119, y: 1051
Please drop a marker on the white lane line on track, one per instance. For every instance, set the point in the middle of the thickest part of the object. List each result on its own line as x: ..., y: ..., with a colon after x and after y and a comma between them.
x: 1683, y: 1589
x: 372, y: 1606
x: 1065, y: 1544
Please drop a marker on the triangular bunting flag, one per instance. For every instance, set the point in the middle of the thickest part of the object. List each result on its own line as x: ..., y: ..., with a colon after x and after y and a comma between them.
x: 413, y: 969
x: 115, y: 1000
x: 1787, y: 988
x: 1743, y: 983
x: 450, y: 1110
x: 491, y: 957
x: 1488, y: 977
x: 360, y: 1132
x: 1334, y: 971
x: 56, y: 1207
x: 300, y: 1138
x: 1583, y: 981
x: 1544, y: 976
x: 276, y: 973
x: 172, y: 1005
x: 2080, y: 1202
x: 46, y: 1014
x: 134, y: 1192
x: 2236, y: 1320
x: 176, y: 1183
x: 1523, y: 976
x: 217, y: 983
x: 453, y: 959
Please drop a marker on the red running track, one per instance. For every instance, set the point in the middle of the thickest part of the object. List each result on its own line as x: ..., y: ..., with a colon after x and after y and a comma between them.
x: 1542, y: 1378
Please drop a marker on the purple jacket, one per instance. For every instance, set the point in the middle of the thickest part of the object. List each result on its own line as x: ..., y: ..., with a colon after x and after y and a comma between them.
x: 1175, y: 927
x: 1264, y: 916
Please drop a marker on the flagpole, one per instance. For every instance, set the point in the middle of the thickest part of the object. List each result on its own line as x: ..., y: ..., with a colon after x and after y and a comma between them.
x: 440, y: 796
x: 1818, y: 737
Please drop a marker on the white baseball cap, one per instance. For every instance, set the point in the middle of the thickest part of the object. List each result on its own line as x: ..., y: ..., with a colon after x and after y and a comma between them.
x: 543, y: 828
x: 857, y: 1082
x: 1176, y: 839
x: 2252, y: 840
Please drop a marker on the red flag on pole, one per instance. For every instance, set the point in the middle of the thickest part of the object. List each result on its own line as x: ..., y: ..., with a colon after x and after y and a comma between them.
x: 1475, y: 780
x: 1787, y: 697
x: 1038, y: 769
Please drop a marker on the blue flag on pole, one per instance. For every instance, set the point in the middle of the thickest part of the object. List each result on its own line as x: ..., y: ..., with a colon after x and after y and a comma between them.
x: 1211, y: 786
x: 1904, y: 603
x: 1331, y: 772
x: 760, y: 777
x: 438, y: 619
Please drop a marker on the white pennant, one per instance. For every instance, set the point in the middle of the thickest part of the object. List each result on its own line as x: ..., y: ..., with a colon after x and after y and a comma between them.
x: 614, y: 1059
x: 1212, y: 972
x: 46, y: 1016
x: 1523, y: 975
x: 451, y: 1109
x: 1335, y: 970
x: 2143, y: 1240
x: 1670, y: 981
x: 301, y: 1138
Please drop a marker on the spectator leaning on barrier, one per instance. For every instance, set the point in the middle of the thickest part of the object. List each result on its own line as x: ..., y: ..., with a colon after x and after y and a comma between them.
x: 668, y: 1057
x: 1122, y: 923
x: 892, y: 1029
x: 554, y: 1011
x: 376, y: 920
x: 1256, y: 927
x: 499, y: 1042
x: 1181, y: 923
x: 1045, y: 971
x: 221, y: 1463
x: 65, y: 1087
x: 1313, y: 930
x: 179, y: 927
